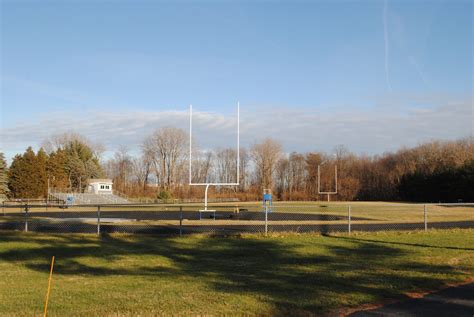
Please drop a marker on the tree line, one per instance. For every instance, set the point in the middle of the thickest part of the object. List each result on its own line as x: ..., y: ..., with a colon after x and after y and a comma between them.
x: 431, y: 172
x: 64, y: 162
x: 4, y: 191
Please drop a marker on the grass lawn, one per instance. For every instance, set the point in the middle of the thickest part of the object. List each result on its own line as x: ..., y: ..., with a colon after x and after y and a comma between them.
x: 279, y: 275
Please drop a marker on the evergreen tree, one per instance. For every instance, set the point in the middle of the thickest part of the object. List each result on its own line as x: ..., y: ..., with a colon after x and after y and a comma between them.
x: 17, y: 177
x: 3, y: 178
x: 42, y: 178
x: 81, y: 164
x: 75, y: 170
x: 466, y: 180
x: 56, y: 170
x: 27, y: 175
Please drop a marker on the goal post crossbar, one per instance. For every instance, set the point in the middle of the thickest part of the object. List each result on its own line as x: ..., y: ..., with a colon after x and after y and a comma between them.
x: 335, y: 183
x: 191, y: 156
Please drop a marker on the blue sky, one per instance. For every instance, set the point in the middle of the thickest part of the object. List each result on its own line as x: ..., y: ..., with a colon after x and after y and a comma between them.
x: 373, y: 75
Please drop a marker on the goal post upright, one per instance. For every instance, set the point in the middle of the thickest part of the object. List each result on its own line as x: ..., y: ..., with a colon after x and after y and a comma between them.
x: 335, y: 182
x: 190, y: 141
x: 237, y: 183
x: 238, y: 143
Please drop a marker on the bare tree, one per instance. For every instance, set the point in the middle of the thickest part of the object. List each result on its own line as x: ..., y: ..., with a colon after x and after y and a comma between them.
x: 312, y: 161
x: 123, y: 165
x: 141, y: 169
x: 226, y: 165
x: 297, y: 174
x: 265, y: 156
x: 243, y: 170
x: 167, y: 148
x: 61, y: 140
x: 110, y: 168
x: 282, y: 178
x: 202, y: 167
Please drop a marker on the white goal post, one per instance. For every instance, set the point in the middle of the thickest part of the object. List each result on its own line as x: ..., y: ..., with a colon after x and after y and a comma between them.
x: 191, y: 160
x: 319, y: 182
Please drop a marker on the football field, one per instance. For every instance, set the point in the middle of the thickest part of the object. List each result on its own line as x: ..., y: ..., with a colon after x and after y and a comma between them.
x: 282, y: 274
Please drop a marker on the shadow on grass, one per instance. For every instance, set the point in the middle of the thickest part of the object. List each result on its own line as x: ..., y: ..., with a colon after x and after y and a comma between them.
x: 397, y: 243
x: 296, y: 278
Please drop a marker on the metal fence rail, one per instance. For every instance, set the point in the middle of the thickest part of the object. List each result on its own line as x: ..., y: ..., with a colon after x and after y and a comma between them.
x: 228, y: 219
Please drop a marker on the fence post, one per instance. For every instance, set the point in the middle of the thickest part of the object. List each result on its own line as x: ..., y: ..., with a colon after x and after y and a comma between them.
x: 180, y: 220
x: 425, y: 216
x: 349, y: 219
x: 266, y: 220
x: 98, y: 220
x: 26, y: 217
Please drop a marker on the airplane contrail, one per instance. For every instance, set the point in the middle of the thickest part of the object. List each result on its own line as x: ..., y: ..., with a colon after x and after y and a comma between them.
x: 385, y: 27
x: 418, y: 70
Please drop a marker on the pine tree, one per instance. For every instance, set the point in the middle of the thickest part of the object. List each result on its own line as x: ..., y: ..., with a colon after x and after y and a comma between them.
x: 3, y: 178
x: 16, y: 177
x: 81, y: 164
x: 56, y: 170
x: 27, y: 175
x: 42, y: 178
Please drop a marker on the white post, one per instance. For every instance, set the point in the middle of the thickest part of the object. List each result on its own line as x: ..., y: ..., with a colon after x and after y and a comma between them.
x: 425, y: 217
x: 238, y: 142
x: 26, y: 218
x: 266, y: 219
x: 191, y: 158
x: 205, y: 198
x: 319, y: 182
x: 98, y: 220
x: 190, y: 140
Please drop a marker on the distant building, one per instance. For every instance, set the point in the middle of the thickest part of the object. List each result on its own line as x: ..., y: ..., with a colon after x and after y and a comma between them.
x: 99, y: 186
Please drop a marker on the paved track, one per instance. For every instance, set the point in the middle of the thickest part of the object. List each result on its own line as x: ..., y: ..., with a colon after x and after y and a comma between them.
x: 190, y: 215
x: 86, y: 222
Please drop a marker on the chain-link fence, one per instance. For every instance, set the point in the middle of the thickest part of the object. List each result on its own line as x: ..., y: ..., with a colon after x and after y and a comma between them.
x: 241, y: 218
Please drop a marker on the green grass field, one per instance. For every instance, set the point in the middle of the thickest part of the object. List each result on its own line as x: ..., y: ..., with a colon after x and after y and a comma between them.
x: 204, y: 275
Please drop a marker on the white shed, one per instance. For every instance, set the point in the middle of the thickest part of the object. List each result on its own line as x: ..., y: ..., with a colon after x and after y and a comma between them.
x: 100, y: 186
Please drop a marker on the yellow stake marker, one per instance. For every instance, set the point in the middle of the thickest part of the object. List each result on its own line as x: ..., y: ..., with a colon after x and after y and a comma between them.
x: 49, y: 287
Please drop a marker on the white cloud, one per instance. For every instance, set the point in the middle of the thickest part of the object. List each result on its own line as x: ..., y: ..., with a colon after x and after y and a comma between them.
x: 374, y: 130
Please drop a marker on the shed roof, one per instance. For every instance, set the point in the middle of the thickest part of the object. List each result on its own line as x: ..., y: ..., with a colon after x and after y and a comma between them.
x: 99, y: 180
